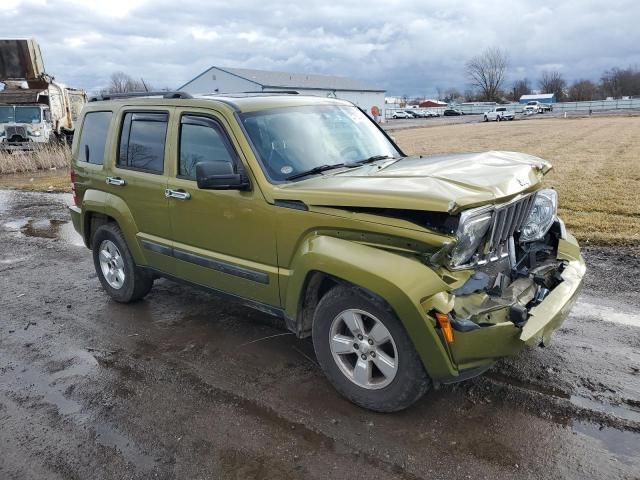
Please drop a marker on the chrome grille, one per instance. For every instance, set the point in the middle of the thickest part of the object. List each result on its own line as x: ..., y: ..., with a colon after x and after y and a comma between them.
x: 508, y: 218
x: 12, y: 131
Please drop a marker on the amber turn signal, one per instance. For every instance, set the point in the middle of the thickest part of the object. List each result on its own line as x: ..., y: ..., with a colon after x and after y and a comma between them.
x: 445, y: 326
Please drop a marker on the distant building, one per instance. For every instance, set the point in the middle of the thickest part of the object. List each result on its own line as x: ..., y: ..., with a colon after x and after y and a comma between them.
x: 540, y: 97
x: 432, y: 104
x: 237, y: 80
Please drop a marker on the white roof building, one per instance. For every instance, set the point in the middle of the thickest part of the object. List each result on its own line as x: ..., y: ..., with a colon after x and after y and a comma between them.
x: 237, y: 80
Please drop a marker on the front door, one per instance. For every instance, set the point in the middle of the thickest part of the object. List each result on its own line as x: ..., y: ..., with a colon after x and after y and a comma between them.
x: 222, y: 238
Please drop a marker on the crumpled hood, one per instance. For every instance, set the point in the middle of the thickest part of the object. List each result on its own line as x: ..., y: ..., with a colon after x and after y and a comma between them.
x: 442, y: 183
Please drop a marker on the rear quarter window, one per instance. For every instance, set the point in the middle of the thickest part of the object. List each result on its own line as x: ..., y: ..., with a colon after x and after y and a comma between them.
x: 93, y: 138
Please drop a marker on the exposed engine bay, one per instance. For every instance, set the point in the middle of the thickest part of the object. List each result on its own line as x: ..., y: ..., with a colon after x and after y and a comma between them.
x: 506, y: 289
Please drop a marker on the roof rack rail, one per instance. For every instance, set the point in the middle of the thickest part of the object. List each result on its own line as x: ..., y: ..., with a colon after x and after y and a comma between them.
x: 113, y: 96
x: 284, y: 92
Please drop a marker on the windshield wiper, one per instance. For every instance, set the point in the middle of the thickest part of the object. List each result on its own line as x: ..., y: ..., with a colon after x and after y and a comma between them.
x: 318, y: 169
x: 372, y: 159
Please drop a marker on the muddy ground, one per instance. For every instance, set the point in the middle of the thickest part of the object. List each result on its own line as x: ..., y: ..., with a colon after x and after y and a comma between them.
x: 186, y: 385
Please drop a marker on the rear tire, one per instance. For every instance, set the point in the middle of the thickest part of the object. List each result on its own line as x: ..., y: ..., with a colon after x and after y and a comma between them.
x: 383, y: 372
x: 121, y: 278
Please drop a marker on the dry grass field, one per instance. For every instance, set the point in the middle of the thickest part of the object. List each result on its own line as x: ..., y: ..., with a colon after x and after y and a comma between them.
x: 50, y: 156
x: 596, y: 165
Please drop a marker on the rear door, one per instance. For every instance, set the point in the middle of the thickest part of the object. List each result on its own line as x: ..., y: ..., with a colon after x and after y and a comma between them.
x: 139, y: 179
x: 223, y: 239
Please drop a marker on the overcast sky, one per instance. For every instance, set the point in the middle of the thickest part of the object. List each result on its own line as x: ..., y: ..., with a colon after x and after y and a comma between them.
x: 405, y: 47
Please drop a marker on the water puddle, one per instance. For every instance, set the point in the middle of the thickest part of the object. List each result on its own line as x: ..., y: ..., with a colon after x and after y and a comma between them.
x: 50, y: 388
x: 40, y: 384
x: 624, y: 444
x: 587, y: 307
x: 53, y: 229
x: 5, y: 197
x: 625, y: 413
x: 110, y: 438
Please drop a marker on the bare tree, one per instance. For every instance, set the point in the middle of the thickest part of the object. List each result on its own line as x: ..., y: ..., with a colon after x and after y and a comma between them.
x: 486, y: 72
x: 619, y: 82
x: 451, y: 95
x: 120, y: 82
x: 520, y: 87
x: 583, y: 90
x: 553, y: 82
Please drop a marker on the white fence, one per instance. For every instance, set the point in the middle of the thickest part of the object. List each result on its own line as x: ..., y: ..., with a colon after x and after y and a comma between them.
x: 580, y: 107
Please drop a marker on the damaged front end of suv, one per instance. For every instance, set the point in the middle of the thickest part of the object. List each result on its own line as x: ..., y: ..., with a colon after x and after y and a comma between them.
x: 514, y: 273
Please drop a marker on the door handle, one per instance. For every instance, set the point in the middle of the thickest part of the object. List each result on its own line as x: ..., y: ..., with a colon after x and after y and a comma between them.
x: 177, y: 194
x: 115, y: 181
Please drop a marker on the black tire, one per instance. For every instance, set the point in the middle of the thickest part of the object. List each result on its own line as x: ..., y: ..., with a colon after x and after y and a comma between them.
x: 137, y: 281
x: 486, y: 119
x: 410, y: 382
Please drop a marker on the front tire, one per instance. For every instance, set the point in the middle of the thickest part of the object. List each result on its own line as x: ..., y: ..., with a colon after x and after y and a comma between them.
x: 121, y: 278
x: 365, y: 351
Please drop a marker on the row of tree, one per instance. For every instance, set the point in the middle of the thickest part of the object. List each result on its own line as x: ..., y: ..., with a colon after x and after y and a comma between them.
x: 486, y: 74
x: 120, y: 82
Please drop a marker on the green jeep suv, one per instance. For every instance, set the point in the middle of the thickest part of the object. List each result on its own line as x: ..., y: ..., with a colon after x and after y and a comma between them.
x: 406, y: 271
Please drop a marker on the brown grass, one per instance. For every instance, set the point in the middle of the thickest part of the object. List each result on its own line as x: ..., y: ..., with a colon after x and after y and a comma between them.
x: 47, y: 157
x: 596, y: 165
x: 56, y: 180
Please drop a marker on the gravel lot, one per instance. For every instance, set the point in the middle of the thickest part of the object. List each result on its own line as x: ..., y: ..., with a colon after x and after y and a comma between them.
x: 185, y: 385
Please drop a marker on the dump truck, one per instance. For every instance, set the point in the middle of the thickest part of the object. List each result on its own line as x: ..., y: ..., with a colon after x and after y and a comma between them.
x: 35, y: 109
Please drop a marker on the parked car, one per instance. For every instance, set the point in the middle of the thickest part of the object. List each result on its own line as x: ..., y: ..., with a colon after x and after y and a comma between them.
x: 406, y: 271
x: 415, y: 113
x: 452, y: 112
x: 498, y: 114
x: 538, y: 107
x: 432, y: 113
x: 401, y: 114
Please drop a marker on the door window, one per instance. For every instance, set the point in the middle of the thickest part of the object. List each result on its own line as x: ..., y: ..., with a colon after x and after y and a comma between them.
x: 93, y: 138
x: 201, y: 140
x: 142, y: 141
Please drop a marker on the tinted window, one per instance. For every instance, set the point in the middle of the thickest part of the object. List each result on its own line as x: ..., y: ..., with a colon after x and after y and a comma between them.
x: 201, y: 140
x: 93, y: 139
x: 142, y: 141
x: 6, y: 114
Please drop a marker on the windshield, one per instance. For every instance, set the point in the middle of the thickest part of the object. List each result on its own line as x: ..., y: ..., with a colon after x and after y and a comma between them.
x: 293, y: 140
x: 6, y: 114
x: 28, y: 115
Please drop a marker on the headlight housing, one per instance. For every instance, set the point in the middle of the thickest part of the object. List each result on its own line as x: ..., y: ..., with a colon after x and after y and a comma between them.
x: 471, y: 230
x: 541, y: 217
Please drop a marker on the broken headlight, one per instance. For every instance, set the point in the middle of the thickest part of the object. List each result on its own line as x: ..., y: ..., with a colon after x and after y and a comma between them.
x: 541, y: 216
x: 472, y: 228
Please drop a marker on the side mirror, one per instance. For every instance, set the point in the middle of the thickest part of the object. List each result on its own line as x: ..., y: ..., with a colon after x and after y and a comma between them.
x: 219, y: 176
